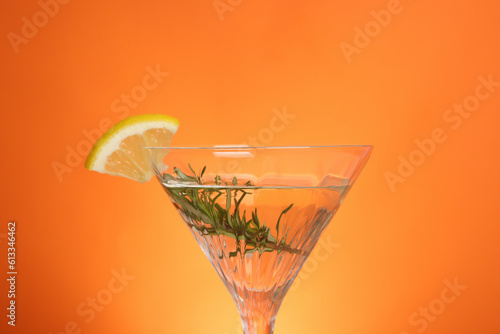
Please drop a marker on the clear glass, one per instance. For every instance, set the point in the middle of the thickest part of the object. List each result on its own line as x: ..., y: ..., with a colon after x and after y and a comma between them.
x: 257, y: 212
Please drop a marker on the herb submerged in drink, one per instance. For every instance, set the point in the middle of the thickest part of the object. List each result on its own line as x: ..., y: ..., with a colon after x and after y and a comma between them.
x: 201, y: 204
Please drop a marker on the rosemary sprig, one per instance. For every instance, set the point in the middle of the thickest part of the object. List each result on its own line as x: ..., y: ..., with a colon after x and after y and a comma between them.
x: 200, y: 204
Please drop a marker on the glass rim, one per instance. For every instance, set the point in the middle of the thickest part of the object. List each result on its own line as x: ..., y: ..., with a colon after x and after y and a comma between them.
x: 241, y: 147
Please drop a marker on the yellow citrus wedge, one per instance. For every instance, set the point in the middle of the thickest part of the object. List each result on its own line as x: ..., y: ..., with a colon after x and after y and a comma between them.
x: 119, y: 151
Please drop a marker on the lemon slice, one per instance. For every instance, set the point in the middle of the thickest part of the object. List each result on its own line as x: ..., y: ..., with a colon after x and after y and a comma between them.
x: 119, y: 151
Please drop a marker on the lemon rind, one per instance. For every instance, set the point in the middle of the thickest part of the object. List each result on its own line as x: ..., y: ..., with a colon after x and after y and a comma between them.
x: 110, y: 141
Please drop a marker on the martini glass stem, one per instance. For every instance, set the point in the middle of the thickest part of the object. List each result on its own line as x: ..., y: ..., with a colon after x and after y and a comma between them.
x: 258, y: 311
x: 258, y: 324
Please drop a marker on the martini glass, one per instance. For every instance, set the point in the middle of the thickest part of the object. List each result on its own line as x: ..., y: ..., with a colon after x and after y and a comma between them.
x: 257, y: 212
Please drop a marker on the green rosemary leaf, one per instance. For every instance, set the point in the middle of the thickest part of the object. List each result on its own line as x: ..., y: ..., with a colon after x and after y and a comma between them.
x: 255, y: 218
x: 194, y: 173
x: 179, y: 173
x: 183, y: 177
x: 286, y: 210
x: 253, y: 223
x: 228, y: 207
x: 238, y: 202
x: 228, y: 234
x: 250, y: 250
x: 215, y: 198
x: 265, y: 249
x: 220, y: 210
x: 279, y: 219
x: 270, y: 237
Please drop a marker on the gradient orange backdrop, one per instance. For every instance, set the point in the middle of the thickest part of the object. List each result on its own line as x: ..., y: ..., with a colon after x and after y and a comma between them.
x: 232, y: 66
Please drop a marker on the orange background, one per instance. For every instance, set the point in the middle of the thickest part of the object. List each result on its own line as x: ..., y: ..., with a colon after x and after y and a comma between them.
x: 396, y: 247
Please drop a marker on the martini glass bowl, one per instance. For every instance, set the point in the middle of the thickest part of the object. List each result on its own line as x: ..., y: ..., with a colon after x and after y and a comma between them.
x: 257, y: 212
